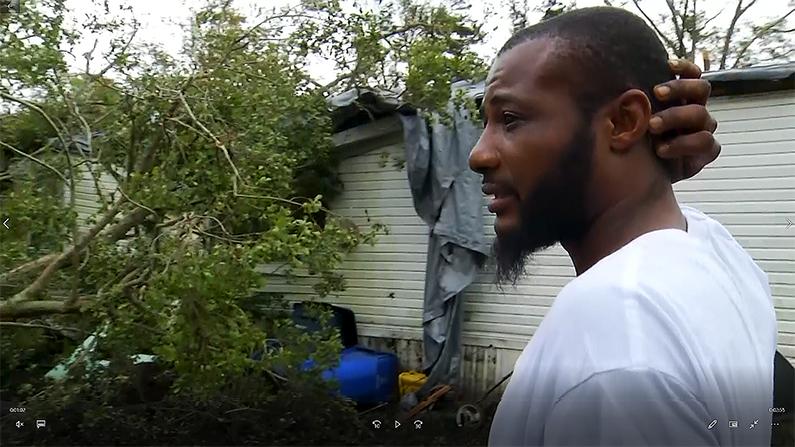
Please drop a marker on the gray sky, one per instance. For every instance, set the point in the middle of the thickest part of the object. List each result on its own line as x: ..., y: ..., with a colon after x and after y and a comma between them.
x: 160, y: 18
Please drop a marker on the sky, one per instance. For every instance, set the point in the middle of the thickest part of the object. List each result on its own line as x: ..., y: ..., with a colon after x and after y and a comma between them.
x: 160, y: 19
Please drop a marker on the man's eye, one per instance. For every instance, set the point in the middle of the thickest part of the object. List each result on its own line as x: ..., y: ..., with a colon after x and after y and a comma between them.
x: 509, y: 118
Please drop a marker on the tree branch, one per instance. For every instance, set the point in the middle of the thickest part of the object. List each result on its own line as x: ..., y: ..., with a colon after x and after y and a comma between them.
x: 112, y: 234
x: 741, y: 52
x: 10, y: 311
x: 234, y: 45
x: 74, y: 255
x: 738, y: 12
x: 89, y: 54
x: 28, y: 267
x: 148, y: 160
x: 678, y: 29
x: 61, y: 330
x: 129, y: 221
x: 210, y: 134
x: 35, y: 160
x: 123, y: 50
x: 665, y: 38
x: 43, y: 279
x: 41, y: 112
x: 136, y: 203
x: 74, y: 110
x: 694, y: 33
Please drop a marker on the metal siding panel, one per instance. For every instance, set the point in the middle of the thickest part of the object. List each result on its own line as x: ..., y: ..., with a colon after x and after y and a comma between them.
x: 759, y: 101
x: 740, y: 124
x: 748, y: 172
x: 752, y: 189
x: 728, y: 115
x: 757, y: 159
x: 87, y: 201
x: 773, y: 144
x: 762, y: 136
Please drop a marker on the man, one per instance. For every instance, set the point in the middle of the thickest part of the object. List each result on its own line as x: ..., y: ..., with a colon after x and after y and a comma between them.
x: 669, y: 324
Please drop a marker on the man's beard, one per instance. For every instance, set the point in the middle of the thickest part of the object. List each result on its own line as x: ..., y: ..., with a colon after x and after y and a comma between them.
x: 554, y: 211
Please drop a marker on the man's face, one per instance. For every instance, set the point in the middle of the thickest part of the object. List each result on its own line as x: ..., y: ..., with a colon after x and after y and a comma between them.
x: 535, y: 155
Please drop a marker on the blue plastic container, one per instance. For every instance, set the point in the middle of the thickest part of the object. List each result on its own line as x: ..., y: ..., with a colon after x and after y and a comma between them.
x: 364, y: 375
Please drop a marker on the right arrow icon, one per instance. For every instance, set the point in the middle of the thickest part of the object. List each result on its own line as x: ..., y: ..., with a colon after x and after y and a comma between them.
x: 789, y: 223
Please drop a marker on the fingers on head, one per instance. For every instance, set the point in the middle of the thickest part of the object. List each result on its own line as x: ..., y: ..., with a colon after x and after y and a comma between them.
x: 693, y: 117
x: 713, y: 125
x: 693, y: 91
x: 701, y: 146
x: 693, y: 165
x: 684, y: 68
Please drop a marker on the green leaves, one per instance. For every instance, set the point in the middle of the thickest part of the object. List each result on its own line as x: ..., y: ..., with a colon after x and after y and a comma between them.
x: 29, y: 43
x: 409, y: 48
x: 228, y: 150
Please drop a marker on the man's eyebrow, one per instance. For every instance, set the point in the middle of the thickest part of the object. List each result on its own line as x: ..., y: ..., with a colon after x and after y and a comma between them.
x: 502, y: 98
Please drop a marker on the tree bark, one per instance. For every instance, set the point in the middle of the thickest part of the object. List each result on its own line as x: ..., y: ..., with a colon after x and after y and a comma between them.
x: 129, y: 221
x: 662, y: 36
x: 679, y: 50
x: 738, y: 12
x: 113, y: 234
x: 60, y: 260
x: 10, y: 311
x: 28, y: 267
x: 741, y: 52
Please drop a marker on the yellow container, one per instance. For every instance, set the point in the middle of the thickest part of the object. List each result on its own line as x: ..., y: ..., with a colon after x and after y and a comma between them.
x: 411, y: 381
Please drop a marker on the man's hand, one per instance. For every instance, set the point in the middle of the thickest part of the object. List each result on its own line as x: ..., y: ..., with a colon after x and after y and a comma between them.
x: 694, y: 145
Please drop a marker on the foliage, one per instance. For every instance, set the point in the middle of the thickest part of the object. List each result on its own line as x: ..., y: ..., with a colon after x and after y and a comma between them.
x: 224, y: 162
x: 688, y: 28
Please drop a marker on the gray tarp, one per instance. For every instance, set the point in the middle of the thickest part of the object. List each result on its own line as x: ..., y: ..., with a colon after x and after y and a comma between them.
x: 447, y: 196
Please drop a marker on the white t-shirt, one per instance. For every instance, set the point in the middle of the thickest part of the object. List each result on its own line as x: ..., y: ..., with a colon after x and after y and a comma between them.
x: 648, y: 347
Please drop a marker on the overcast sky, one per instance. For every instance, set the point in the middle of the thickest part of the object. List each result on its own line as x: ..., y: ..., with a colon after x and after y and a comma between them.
x: 160, y: 20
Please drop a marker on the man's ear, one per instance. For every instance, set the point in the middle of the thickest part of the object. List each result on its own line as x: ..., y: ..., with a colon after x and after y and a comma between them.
x: 629, y: 117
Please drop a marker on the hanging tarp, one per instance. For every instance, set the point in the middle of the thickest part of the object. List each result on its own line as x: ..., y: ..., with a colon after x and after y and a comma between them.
x: 447, y: 196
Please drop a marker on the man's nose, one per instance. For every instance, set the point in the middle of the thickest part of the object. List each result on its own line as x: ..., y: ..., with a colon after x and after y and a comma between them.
x: 483, y: 156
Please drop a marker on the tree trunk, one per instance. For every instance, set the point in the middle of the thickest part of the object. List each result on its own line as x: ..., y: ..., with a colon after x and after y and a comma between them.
x: 60, y: 260
x: 10, y: 311
x: 738, y: 12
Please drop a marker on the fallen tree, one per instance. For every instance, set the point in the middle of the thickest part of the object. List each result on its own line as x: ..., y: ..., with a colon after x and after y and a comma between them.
x: 221, y: 156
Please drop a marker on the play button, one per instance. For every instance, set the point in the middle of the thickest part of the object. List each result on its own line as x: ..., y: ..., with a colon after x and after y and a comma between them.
x: 397, y: 424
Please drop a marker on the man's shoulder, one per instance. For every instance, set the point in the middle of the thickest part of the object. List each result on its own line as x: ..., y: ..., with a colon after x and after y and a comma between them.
x: 639, y: 269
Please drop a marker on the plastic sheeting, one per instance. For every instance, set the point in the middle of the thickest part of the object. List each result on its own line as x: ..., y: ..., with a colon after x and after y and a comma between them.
x: 447, y: 196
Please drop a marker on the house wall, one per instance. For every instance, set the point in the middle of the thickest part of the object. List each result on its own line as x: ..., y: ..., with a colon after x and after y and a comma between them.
x: 750, y: 189
x: 87, y: 200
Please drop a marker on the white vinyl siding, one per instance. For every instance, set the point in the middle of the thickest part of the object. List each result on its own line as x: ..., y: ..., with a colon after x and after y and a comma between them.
x: 750, y: 189
x: 385, y: 281
x: 87, y: 200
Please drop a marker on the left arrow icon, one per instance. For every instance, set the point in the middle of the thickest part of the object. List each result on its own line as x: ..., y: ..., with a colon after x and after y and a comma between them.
x: 5, y: 224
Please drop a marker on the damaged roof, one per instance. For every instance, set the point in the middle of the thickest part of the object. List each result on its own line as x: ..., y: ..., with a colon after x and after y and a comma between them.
x: 360, y: 106
x: 743, y: 81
